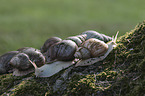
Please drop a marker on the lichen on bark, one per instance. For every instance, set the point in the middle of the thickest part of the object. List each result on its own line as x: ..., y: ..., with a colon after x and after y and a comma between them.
x: 122, y: 73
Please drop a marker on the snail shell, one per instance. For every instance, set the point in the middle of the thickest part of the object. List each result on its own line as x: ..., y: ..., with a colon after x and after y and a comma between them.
x: 20, y: 49
x: 64, y: 50
x: 91, y: 48
x: 5, y: 61
x: 49, y: 42
x: 94, y: 34
x: 21, y: 61
x: 79, y: 39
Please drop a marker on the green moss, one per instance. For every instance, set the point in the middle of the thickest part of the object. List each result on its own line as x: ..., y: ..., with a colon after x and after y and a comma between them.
x: 29, y: 87
x: 80, y: 87
x: 7, y: 81
x: 141, y: 66
x: 21, y: 86
x: 91, y: 84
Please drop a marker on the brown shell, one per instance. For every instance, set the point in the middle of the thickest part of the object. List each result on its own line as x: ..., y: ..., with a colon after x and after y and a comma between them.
x: 79, y: 39
x: 63, y: 51
x: 94, y: 46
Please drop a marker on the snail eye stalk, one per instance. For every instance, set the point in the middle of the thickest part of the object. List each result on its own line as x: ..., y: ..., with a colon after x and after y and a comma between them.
x: 115, y: 39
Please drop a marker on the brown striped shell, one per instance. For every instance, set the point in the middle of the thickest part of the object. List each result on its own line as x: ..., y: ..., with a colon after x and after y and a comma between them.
x: 91, y: 48
x: 63, y: 51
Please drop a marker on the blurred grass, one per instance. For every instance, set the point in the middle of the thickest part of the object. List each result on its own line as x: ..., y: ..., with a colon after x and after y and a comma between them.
x: 28, y: 23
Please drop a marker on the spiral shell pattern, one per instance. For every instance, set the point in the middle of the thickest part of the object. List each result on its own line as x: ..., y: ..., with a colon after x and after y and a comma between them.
x: 21, y: 61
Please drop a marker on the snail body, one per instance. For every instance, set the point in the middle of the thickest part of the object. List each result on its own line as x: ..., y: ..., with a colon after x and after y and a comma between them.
x: 48, y: 70
x: 97, y: 35
x: 5, y: 61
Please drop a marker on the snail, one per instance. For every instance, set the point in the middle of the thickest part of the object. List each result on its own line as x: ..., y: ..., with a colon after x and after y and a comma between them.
x: 96, y: 49
x: 22, y: 65
x: 5, y: 66
x: 64, y: 50
x: 94, y: 34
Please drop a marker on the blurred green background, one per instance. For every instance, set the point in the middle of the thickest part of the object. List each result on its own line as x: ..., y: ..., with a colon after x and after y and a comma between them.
x: 28, y: 23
